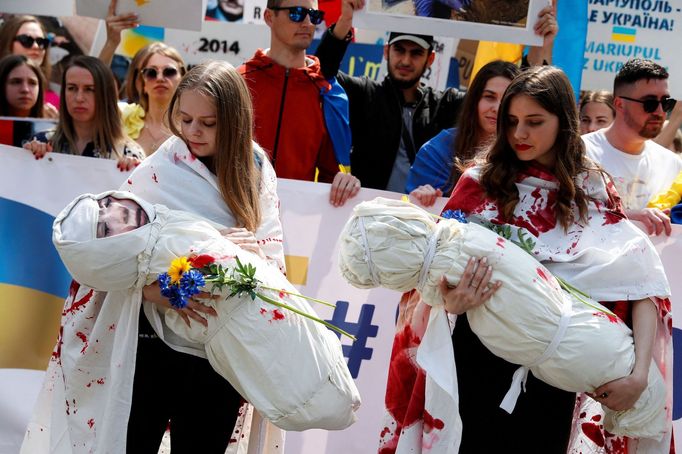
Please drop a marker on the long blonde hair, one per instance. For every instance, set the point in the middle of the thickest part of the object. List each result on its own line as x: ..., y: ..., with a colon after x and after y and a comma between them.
x: 234, y: 162
x: 108, y: 134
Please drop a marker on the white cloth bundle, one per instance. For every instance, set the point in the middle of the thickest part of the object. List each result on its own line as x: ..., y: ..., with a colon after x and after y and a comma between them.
x: 289, y: 367
x: 529, y: 321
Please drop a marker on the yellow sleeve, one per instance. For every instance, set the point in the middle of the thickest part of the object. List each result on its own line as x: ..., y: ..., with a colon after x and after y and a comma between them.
x: 669, y: 198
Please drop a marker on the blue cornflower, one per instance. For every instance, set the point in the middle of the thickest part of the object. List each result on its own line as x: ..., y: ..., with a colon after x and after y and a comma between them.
x: 457, y: 215
x: 191, y: 281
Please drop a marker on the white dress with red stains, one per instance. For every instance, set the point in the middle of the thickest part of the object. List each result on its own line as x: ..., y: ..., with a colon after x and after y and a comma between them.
x: 598, y: 258
x: 104, y: 337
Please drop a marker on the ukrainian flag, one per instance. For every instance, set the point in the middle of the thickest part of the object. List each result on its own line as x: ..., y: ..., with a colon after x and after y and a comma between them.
x: 135, y: 39
x: 623, y: 34
x: 33, y: 284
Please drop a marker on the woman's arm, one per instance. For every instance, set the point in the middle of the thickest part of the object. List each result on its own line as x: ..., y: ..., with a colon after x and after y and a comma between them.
x: 621, y: 394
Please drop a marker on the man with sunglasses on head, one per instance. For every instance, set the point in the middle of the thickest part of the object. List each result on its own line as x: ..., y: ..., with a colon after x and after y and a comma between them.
x: 391, y: 119
x: 288, y: 91
x: 640, y: 167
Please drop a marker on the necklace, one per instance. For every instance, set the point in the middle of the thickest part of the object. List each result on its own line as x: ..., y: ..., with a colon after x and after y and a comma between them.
x: 157, y: 140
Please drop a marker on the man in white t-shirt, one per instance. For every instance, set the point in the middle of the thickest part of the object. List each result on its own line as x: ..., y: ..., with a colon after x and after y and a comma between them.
x: 639, y: 166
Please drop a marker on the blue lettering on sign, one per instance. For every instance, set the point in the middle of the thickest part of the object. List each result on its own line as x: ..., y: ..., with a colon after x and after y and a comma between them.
x: 362, y: 330
x: 677, y: 373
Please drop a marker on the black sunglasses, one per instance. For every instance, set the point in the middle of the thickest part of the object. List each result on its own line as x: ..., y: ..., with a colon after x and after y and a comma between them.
x: 27, y: 41
x: 298, y: 13
x: 650, y: 105
x: 152, y: 73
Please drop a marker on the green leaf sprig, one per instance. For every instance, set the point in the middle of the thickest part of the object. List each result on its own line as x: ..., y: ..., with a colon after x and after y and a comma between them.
x: 242, y: 280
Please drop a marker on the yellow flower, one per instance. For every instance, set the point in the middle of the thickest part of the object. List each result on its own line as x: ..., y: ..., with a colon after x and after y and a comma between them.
x: 132, y: 116
x: 177, y: 267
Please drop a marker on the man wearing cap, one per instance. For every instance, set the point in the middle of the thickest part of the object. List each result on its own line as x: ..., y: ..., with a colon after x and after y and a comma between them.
x: 289, y: 93
x: 390, y: 120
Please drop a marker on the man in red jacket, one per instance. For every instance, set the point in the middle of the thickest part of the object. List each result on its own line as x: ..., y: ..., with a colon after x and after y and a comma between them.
x: 287, y: 89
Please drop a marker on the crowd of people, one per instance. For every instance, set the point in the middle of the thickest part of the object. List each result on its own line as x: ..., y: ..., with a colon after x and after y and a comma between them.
x: 516, y: 148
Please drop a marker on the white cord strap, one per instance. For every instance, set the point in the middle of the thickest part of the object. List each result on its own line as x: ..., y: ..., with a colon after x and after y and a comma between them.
x: 428, y: 259
x: 521, y: 374
x: 368, y: 253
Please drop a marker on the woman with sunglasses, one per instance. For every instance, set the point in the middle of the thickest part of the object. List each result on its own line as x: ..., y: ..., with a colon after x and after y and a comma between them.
x: 153, y: 81
x: 22, y: 84
x: 26, y: 35
x: 90, y: 123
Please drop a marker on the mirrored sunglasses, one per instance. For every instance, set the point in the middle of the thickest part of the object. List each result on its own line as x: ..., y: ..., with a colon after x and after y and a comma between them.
x: 298, y: 13
x: 650, y: 105
x: 27, y: 41
x: 167, y: 73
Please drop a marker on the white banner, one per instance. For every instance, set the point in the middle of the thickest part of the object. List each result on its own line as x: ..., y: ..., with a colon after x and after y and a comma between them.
x: 184, y: 14
x: 42, y: 7
x: 484, y: 20
x: 311, y: 228
x: 619, y: 30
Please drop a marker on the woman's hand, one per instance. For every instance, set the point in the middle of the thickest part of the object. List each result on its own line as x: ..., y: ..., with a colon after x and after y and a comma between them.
x: 426, y: 195
x: 193, y: 310
x: 621, y: 394
x: 38, y: 148
x: 244, y: 239
x: 127, y: 163
x: 473, y: 290
x: 50, y: 111
x: 115, y: 23
x: 344, y: 187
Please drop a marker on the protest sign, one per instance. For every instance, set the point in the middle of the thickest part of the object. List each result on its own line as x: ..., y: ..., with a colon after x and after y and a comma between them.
x: 183, y: 14
x: 491, y: 20
x: 619, y: 30
x: 42, y: 7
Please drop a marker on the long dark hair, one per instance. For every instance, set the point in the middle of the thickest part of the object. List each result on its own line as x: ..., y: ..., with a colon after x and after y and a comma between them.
x: 468, y: 138
x: 551, y: 89
x: 7, y: 65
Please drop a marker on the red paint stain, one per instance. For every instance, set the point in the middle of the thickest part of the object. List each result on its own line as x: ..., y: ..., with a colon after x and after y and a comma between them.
x: 83, y: 339
x: 468, y: 197
x: 263, y: 311
x: 112, y: 327
x: 609, y: 317
x: 100, y: 381
x: 431, y: 423
x: 542, y: 274
x: 277, y: 315
x: 79, y: 304
x: 385, y: 432
x: 500, y: 242
x: 154, y: 179
x: 91, y: 422
x: 596, y: 418
x: 593, y: 432
x: 405, y: 386
x: 282, y: 294
x: 130, y: 181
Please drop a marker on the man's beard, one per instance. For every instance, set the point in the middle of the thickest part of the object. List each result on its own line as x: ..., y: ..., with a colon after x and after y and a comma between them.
x: 644, y: 130
x: 405, y: 84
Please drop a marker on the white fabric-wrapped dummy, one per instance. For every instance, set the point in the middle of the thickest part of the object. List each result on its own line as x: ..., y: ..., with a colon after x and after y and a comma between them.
x: 529, y: 321
x: 289, y: 367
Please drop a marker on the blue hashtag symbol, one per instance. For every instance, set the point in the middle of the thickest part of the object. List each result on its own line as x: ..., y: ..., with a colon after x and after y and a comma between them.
x: 362, y: 330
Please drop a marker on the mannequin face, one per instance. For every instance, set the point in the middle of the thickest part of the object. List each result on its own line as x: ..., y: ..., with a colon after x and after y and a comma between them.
x: 118, y: 216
